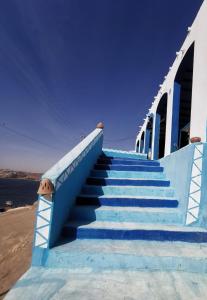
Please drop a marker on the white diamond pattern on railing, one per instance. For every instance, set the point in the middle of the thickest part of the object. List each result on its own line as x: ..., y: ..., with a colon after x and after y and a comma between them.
x: 195, y: 186
x: 43, y: 222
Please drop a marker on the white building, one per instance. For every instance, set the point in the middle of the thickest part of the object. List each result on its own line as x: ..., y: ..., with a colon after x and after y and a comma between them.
x: 179, y: 111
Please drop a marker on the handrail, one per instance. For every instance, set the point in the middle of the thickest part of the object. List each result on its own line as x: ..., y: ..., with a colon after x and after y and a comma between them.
x: 69, y: 159
x: 67, y: 177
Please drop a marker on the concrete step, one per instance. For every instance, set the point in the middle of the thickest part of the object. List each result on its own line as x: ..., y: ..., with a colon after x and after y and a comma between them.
x: 122, y: 161
x: 128, y: 191
x: 127, y: 214
x: 127, y: 174
x: 134, y: 231
x: 126, y: 182
x: 126, y: 201
x: 111, y: 153
x: 112, y: 255
x: 87, y: 284
x: 128, y: 168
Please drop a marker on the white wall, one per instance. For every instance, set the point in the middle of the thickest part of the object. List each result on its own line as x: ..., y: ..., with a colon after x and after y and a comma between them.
x: 197, y: 34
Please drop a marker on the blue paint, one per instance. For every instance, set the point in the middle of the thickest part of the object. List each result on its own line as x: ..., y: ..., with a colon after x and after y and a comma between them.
x: 175, y: 117
x: 135, y: 234
x: 131, y: 276
x: 65, y: 196
x: 142, y: 143
x: 137, y: 147
x: 39, y: 256
x: 147, y: 207
x: 84, y: 254
x: 128, y: 191
x: 123, y: 154
x: 127, y: 202
x: 156, y: 136
x: 117, y: 161
x: 68, y: 176
x: 147, y: 141
x: 128, y: 168
x: 128, y: 182
x: 125, y: 214
x: 127, y: 174
x: 177, y: 167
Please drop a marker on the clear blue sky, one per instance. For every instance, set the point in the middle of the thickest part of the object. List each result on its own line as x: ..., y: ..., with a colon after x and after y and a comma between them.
x: 67, y: 64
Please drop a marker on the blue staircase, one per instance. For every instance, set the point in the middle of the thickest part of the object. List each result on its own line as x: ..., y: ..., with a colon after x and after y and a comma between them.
x: 113, y: 225
x: 127, y: 207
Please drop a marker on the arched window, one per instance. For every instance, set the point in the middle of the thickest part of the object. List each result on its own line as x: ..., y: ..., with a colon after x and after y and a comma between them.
x: 149, y: 139
x: 162, y: 114
x: 182, y: 102
x: 142, y: 142
x: 137, y: 147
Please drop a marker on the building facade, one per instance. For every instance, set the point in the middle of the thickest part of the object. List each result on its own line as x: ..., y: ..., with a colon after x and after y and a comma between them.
x: 179, y: 110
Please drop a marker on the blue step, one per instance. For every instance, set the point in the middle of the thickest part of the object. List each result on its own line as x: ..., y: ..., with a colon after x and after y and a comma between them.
x: 133, y: 255
x: 135, y: 191
x: 116, y: 161
x: 126, y: 201
x: 126, y: 214
x: 126, y: 182
x: 127, y: 174
x: 122, y: 154
x: 134, y: 231
x: 128, y: 168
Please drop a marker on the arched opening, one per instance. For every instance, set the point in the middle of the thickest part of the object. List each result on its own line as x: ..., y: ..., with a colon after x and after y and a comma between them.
x: 137, y: 147
x: 142, y: 143
x: 182, y: 101
x: 149, y: 140
x: 162, y: 115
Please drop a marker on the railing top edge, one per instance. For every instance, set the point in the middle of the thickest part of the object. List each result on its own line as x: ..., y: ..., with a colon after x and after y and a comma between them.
x: 57, y: 169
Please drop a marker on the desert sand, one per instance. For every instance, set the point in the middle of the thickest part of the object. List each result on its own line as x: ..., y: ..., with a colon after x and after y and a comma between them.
x: 16, y: 237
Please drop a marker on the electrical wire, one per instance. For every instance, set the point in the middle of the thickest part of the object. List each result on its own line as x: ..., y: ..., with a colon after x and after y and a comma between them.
x: 14, y: 131
x: 120, y: 140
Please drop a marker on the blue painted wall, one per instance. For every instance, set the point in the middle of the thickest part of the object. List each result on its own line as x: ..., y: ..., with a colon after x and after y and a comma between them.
x: 177, y: 168
x: 175, y: 117
x: 203, y: 204
x: 67, y: 192
x: 147, y: 141
x: 156, y: 136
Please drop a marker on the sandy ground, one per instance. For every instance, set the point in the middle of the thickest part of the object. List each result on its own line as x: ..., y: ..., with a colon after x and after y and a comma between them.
x: 16, y: 236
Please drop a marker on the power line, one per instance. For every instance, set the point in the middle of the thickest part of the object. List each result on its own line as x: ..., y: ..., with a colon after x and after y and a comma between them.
x: 14, y: 131
x: 120, y: 140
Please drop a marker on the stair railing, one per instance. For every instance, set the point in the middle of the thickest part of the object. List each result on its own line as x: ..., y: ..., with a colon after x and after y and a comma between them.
x: 59, y: 188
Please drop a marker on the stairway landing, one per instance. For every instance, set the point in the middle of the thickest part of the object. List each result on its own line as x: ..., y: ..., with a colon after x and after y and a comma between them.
x: 64, y: 284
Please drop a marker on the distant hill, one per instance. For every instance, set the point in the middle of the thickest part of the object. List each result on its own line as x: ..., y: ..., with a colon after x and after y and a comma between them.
x: 6, y: 173
x: 18, y: 188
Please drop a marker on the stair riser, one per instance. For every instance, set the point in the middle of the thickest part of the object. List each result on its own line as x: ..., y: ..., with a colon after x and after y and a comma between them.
x: 123, y: 155
x: 125, y: 216
x: 127, y: 182
x: 124, y: 202
x: 101, y: 262
x: 128, y: 168
x: 127, y: 191
x: 121, y: 234
x: 101, y: 157
x: 127, y: 162
x: 127, y: 174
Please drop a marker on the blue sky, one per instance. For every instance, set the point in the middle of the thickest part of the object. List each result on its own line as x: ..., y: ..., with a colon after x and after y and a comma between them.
x: 65, y: 65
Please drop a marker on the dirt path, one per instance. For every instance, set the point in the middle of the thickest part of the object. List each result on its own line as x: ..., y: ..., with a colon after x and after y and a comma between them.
x: 16, y: 236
